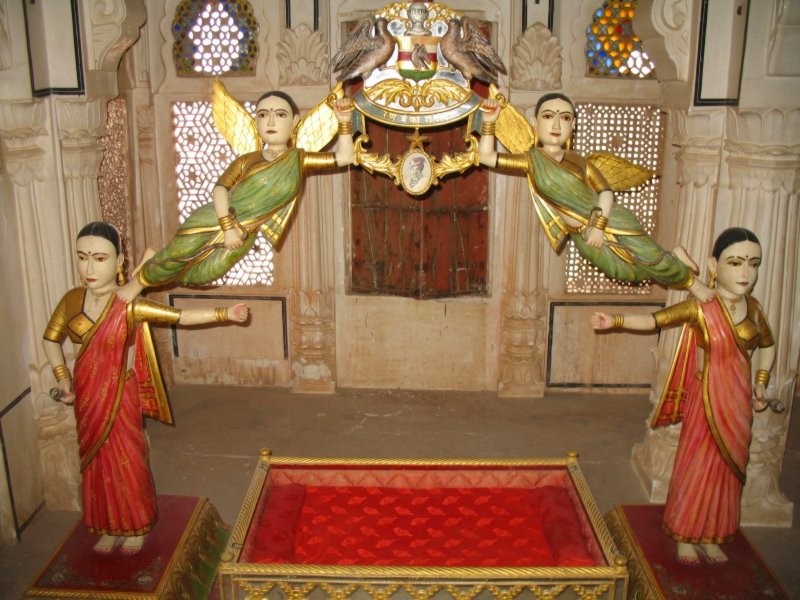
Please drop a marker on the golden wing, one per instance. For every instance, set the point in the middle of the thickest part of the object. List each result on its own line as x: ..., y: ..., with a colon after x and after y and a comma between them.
x: 620, y: 174
x: 512, y: 129
x: 233, y: 121
x: 318, y: 127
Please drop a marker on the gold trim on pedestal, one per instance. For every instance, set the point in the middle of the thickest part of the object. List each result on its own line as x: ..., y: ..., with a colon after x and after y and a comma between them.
x: 189, y: 573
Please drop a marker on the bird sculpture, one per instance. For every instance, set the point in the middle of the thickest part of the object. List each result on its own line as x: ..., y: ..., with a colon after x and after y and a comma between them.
x: 419, y: 57
x: 471, y: 52
x: 364, y: 50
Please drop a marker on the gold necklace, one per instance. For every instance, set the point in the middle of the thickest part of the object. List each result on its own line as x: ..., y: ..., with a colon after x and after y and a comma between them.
x: 99, y: 295
x: 270, y: 155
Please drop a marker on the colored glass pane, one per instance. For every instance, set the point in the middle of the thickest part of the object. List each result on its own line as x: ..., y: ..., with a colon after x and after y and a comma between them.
x: 611, y: 36
x: 213, y: 37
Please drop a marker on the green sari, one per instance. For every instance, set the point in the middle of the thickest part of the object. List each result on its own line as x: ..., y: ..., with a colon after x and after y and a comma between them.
x: 627, y: 254
x: 263, y: 200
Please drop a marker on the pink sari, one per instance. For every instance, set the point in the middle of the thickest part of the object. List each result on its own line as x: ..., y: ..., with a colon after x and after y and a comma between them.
x: 711, y: 460
x: 118, y: 493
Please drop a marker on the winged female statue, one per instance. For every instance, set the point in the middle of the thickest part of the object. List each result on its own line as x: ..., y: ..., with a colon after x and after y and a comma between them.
x: 574, y: 195
x: 258, y: 190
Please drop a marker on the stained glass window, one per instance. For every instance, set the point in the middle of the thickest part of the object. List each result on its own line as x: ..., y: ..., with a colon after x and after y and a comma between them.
x: 612, y: 48
x: 213, y: 37
x: 635, y: 133
x: 201, y: 156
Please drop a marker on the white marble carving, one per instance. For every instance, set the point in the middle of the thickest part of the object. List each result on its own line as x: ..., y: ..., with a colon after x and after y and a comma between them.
x: 522, y: 344
x: 536, y: 60
x: 303, y: 57
x: 670, y: 18
x: 114, y: 28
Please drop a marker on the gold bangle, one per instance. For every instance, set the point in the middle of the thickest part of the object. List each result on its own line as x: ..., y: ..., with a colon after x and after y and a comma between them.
x: 618, y: 321
x: 689, y: 281
x: 762, y: 376
x: 345, y: 128
x: 61, y: 372
x: 488, y: 128
x: 226, y: 223
x: 221, y: 314
x: 601, y: 222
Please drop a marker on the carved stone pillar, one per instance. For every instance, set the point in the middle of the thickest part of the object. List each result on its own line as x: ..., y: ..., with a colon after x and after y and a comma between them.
x: 763, y: 162
x: 43, y: 241
x: 698, y: 137
x: 523, y: 323
x: 312, y: 318
x: 80, y: 124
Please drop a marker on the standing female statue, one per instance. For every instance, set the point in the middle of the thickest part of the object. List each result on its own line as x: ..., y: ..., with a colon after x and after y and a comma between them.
x: 573, y: 198
x: 258, y: 190
x: 115, y: 381
x: 712, y: 395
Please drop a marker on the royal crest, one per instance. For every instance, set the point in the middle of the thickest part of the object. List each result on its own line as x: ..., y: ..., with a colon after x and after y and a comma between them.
x: 417, y: 60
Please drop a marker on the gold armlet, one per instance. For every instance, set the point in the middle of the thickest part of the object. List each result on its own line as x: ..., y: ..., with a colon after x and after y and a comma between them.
x: 61, y: 373
x: 221, y: 314
x: 512, y: 162
x: 762, y: 376
x: 319, y: 160
x: 345, y: 128
x: 227, y: 222
x: 618, y: 321
x: 488, y: 128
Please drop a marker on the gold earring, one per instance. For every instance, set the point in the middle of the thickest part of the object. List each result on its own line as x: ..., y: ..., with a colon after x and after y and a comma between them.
x: 712, y: 280
x: 121, y: 278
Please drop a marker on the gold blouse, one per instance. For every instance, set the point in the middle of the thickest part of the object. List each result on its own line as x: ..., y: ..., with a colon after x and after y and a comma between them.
x: 246, y: 164
x: 69, y: 319
x: 751, y: 332
x: 572, y: 162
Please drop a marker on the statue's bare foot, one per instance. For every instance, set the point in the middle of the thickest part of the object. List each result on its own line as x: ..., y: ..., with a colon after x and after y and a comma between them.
x: 701, y: 291
x: 714, y: 554
x: 684, y: 257
x: 106, y: 544
x: 132, y: 545
x: 687, y: 554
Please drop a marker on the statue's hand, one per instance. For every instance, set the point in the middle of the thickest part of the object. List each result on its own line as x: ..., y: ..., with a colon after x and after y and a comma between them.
x: 759, y: 402
x: 233, y: 239
x: 601, y: 321
x: 342, y: 108
x: 67, y: 393
x: 491, y: 110
x: 594, y: 237
x: 238, y: 312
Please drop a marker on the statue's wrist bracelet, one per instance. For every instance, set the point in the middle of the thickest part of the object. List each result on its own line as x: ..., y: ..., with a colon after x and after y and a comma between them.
x: 221, y: 314
x: 61, y: 372
x: 226, y: 223
x: 762, y: 376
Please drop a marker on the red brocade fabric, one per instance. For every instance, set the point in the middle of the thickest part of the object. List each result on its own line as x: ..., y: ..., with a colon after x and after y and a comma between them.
x: 432, y: 527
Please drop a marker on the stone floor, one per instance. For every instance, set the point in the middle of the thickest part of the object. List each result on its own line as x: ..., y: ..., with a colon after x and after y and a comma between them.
x: 212, y: 450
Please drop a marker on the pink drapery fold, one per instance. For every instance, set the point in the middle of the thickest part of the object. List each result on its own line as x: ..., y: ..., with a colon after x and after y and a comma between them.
x: 118, y: 493
x: 711, y: 460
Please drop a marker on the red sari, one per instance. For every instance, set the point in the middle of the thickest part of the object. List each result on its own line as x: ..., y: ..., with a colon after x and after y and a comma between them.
x: 118, y: 493
x: 715, y: 407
